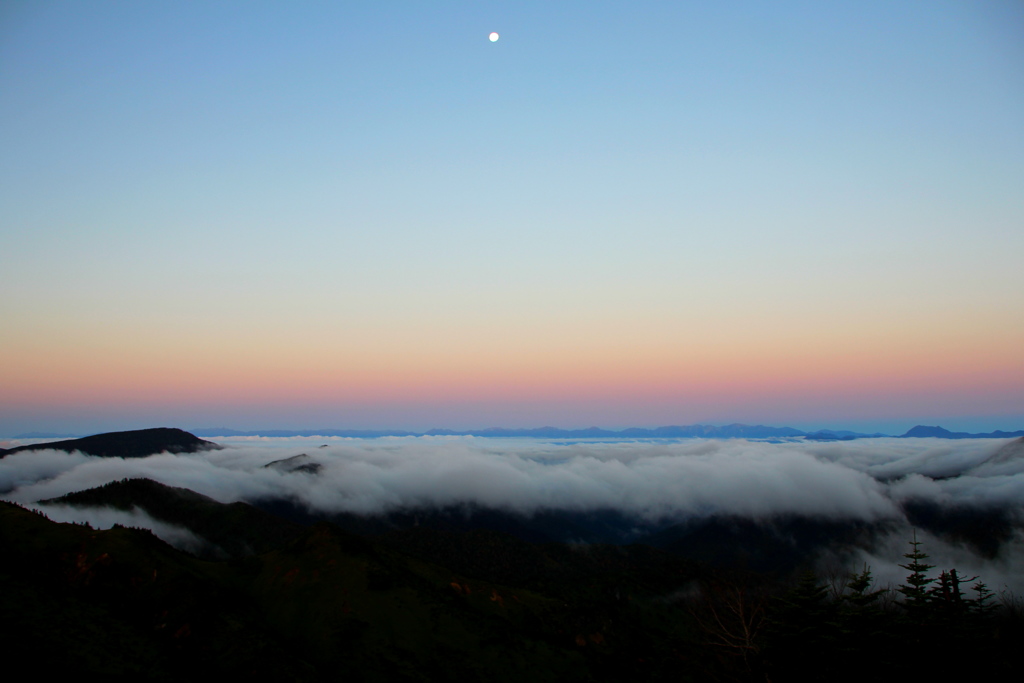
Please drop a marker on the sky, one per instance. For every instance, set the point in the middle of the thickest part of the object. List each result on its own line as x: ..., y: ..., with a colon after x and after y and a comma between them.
x: 368, y: 215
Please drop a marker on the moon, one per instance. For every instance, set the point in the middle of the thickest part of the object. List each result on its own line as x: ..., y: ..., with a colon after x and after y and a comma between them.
x: 494, y: 37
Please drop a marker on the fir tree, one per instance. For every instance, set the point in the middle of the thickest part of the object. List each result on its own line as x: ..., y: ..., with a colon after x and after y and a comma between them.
x: 915, y: 590
x: 859, y: 597
x: 981, y: 605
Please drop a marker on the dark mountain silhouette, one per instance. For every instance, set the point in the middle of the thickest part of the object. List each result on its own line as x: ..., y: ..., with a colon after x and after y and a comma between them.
x: 985, y: 530
x: 923, y: 431
x: 544, y: 527
x: 296, y: 463
x: 778, y: 545
x: 133, y: 444
x: 329, y: 604
x: 233, y: 529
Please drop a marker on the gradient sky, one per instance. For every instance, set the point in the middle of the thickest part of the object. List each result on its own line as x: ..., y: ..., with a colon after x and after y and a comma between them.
x: 365, y: 214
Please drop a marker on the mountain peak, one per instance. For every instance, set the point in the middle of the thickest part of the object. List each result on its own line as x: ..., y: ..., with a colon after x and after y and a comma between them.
x: 921, y: 431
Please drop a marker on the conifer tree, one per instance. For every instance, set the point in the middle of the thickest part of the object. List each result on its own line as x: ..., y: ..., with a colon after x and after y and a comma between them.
x: 859, y: 596
x: 915, y: 590
x: 981, y: 605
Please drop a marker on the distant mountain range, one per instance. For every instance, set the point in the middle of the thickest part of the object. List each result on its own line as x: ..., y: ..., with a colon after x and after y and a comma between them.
x: 732, y: 431
x: 706, y: 431
x: 922, y: 431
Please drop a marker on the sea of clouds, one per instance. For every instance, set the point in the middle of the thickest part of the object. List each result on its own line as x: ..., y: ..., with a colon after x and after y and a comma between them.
x: 863, y: 480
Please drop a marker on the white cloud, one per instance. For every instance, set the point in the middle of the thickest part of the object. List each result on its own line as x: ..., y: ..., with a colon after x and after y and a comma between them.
x: 859, y: 480
x: 650, y: 479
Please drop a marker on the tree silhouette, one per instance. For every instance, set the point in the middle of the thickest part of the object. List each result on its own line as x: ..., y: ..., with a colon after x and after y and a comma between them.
x: 915, y: 591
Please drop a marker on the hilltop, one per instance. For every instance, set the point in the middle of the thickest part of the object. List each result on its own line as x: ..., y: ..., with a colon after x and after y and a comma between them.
x: 131, y: 444
x: 923, y: 431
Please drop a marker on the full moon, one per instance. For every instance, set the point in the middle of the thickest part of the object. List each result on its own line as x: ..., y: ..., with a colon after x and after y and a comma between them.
x: 494, y: 37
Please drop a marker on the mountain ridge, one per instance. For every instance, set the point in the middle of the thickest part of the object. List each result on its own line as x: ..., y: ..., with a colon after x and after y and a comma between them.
x: 672, y: 431
x: 730, y: 431
x: 924, y: 431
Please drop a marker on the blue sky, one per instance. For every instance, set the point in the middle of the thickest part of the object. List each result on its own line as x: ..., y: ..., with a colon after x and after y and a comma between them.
x: 610, y: 214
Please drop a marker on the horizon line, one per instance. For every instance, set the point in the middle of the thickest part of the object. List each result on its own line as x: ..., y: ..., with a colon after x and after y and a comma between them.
x: 696, y: 430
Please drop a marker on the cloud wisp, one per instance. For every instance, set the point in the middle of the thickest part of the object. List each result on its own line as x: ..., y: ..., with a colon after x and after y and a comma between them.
x: 105, y: 518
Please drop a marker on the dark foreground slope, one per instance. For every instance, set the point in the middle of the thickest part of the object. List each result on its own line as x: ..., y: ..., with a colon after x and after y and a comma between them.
x: 325, y: 605
x: 123, y: 604
x: 132, y: 444
x: 428, y: 604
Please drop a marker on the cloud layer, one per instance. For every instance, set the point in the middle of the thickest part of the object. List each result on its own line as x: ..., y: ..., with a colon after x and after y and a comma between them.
x: 850, y: 480
x: 865, y: 480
